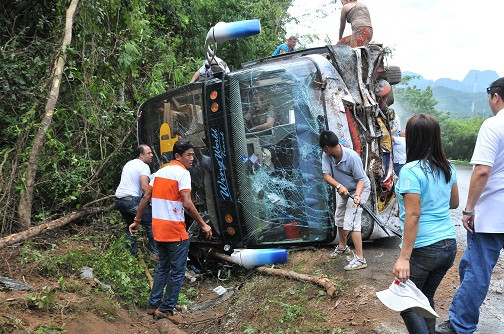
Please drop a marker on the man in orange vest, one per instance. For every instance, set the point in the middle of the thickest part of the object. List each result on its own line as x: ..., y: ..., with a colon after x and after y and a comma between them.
x: 170, y: 190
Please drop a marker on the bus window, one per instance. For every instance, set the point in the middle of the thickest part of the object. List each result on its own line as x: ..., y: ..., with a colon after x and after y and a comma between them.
x: 275, y: 131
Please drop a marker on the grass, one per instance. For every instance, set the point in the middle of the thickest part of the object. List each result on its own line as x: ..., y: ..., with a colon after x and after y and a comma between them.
x: 270, y: 304
x: 461, y: 163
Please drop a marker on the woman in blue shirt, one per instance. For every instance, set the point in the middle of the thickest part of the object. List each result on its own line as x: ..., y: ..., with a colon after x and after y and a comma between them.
x: 426, y: 190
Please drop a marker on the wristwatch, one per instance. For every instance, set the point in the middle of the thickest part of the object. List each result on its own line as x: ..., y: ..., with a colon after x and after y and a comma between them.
x: 338, y: 186
x: 468, y: 213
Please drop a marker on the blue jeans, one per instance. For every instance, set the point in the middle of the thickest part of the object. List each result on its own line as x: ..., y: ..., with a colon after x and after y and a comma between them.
x: 170, y: 274
x: 475, y: 270
x: 128, y: 207
x: 428, y: 265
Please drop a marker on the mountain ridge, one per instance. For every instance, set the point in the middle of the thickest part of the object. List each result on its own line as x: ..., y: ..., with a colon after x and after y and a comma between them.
x: 473, y: 81
x: 459, y: 98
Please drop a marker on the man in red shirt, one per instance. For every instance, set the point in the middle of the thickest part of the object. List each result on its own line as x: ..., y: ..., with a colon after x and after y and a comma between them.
x: 170, y: 190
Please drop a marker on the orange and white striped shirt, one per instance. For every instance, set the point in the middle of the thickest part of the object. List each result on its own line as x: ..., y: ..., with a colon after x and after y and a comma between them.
x: 168, y: 223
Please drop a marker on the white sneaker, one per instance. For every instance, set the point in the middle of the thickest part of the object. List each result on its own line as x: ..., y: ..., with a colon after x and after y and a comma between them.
x: 338, y: 251
x: 356, y: 264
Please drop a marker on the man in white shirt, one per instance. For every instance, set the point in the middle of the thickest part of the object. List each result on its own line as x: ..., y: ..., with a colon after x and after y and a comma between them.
x: 483, y: 218
x: 205, y: 71
x: 399, y: 152
x: 134, y: 183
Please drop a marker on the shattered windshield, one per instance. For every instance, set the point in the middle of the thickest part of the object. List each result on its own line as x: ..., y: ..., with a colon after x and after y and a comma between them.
x: 276, y: 116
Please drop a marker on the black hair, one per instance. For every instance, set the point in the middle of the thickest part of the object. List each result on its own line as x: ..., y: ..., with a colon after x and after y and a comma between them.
x: 423, y: 143
x: 328, y: 138
x: 140, y: 150
x: 497, y: 87
x: 181, y: 146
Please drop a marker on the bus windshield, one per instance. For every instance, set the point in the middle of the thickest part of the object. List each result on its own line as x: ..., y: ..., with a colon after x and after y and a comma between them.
x: 276, y: 116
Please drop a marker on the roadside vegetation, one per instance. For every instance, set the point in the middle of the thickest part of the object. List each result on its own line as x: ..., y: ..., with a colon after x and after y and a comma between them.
x: 261, y: 303
x: 458, y: 133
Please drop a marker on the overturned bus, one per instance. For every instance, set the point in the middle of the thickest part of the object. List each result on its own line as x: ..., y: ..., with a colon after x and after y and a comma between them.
x: 257, y: 177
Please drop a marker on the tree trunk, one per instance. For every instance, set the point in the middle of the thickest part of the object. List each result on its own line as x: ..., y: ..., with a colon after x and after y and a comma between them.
x: 25, y: 202
x: 45, y: 227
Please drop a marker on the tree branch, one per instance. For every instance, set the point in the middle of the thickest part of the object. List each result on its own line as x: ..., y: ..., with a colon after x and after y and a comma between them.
x: 45, y: 227
x: 25, y: 202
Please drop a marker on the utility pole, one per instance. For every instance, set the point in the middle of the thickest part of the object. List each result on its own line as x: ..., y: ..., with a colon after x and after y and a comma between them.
x: 474, y: 93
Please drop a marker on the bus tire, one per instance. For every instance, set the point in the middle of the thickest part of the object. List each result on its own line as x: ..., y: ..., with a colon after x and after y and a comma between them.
x: 394, y: 74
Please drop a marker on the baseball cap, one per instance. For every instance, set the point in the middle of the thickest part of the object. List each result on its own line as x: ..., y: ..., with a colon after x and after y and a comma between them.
x: 401, y: 296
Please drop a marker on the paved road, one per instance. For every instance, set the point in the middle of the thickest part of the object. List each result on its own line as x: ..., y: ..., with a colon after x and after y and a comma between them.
x: 492, y: 311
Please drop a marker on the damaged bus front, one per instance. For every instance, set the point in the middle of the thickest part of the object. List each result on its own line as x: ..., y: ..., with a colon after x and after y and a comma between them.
x: 257, y: 177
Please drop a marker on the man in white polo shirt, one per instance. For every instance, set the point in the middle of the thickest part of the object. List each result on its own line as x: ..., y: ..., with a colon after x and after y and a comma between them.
x: 483, y: 218
x: 134, y: 182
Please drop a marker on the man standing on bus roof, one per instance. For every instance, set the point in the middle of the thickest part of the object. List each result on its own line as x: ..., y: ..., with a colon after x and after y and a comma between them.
x: 170, y: 190
x: 343, y: 169
x: 286, y: 47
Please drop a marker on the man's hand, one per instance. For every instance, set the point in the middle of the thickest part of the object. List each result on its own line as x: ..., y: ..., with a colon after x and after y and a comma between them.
x: 134, y: 227
x: 207, y: 230
x: 468, y: 222
x: 356, y: 199
x: 342, y: 190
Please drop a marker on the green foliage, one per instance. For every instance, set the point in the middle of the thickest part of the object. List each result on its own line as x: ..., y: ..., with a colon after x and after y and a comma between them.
x: 460, y: 103
x: 8, y: 324
x: 71, y: 286
x: 52, y: 264
x: 123, y: 272
x: 121, y: 54
x: 42, y: 300
x: 246, y: 329
x: 51, y: 329
x: 113, y: 266
x: 291, y: 312
x: 106, y: 308
x: 457, y: 134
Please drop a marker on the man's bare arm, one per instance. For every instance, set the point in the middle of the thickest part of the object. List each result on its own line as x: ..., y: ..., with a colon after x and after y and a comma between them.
x: 193, y: 212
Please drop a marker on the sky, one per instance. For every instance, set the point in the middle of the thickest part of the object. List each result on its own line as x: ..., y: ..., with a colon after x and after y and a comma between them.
x: 434, y: 38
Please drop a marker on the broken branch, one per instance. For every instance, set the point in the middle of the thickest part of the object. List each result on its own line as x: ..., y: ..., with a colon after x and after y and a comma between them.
x: 324, y: 282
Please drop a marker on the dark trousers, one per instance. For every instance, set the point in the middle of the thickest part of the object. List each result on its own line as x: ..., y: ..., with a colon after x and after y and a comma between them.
x: 128, y: 207
x: 170, y: 274
x: 428, y: 266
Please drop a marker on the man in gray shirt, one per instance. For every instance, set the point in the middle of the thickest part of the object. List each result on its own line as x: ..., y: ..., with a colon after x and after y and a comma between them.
x: 343, y: 169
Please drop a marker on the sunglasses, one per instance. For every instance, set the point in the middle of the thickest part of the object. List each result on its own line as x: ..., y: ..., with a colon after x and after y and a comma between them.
x: 489, y: 88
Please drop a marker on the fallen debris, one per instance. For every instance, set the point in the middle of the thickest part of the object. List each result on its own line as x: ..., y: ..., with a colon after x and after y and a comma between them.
x: 326, y: 283
x: 87, y: 273
x: 213, y: 302
x: 13, y: 284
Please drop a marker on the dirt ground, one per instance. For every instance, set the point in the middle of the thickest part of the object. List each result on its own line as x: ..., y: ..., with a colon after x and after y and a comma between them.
x: 247, y: 308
